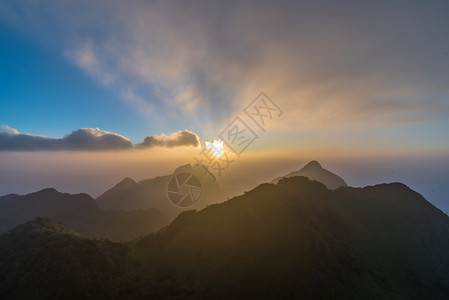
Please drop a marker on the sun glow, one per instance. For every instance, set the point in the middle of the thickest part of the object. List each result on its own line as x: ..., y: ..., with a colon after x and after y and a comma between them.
x: 216, y: 146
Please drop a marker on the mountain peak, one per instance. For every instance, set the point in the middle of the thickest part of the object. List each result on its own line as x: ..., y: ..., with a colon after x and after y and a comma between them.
x: 125, y: 183
x: 313, y: 165
x: 49, y: 190
x: 46, y: 192
x: 314, y: 171
x: 184, y: 168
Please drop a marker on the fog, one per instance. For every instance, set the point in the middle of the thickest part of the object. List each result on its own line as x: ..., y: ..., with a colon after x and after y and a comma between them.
x: 94, y: 173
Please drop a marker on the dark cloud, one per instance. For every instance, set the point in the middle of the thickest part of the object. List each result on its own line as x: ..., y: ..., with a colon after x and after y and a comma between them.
x: 177, y: 139
x: 90, y: 139
x: 95, y: 139
x: 82, y: 139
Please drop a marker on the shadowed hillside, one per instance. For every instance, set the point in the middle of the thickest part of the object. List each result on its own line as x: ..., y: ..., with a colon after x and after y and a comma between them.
x: 299, y: 239
x: 295, y: 239
x: 43, y: 260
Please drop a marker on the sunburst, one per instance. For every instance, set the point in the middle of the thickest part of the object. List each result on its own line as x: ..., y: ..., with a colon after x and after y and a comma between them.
x: 216, y: 146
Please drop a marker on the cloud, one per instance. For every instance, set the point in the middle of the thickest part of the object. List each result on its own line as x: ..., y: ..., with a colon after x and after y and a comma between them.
x: 6, y: 130
x: 86, y: 58
x: 325, y: 63
x: 90, y: 139
x: 82, y: 139
x: 95, y: 139
x: 184, y: 138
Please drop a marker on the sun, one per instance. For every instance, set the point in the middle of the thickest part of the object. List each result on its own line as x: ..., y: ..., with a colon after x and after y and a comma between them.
x: 216, y: 146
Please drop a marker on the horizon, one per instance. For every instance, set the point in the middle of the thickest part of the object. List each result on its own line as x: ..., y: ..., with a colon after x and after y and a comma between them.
x: 242, y: 177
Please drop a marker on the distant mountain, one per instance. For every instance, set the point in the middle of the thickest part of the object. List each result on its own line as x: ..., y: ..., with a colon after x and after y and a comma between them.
x: 130, y: 195
x: 291, y: 240
x: 80, y: 213
x: 148, y: 193
x: 17, y: 209
x: 314, y: 171
x: 126, y: 192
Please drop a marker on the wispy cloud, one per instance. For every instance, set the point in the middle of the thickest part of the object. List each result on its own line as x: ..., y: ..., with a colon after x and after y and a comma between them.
x: 326, y: 63
x: 87, y: 58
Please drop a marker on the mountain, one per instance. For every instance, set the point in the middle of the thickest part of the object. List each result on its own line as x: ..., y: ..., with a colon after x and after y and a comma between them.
x: 130, y: 195
x: 43, y: 260
x: 17, y: 209
x: 314, y: 171
x: 297, y: 239
x: 291, y: 240
x: 152, y: 193
x: 80, y: 213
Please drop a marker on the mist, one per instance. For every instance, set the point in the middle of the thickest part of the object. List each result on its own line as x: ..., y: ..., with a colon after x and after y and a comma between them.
x: 94, y: 173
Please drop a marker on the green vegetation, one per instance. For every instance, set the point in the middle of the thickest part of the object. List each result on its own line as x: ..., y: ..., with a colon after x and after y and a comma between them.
x: 41, y: 259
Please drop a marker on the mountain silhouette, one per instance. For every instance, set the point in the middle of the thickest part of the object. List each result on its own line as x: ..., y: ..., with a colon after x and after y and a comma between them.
x: 291, y: 240
x: 44, y: 260
x: 152, y: 193
x: 17, y: 209
x: 80, y: 213
x: 314, y: 171
x: 297, y: 239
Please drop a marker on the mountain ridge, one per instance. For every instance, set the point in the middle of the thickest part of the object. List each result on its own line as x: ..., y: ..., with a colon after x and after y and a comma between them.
x: 335, y: 230
x: 293, y: 239
x: 80, y: 213
x: 152, y: 192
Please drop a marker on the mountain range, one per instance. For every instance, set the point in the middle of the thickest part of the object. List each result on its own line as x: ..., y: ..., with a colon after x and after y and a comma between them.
x: 152, y: 193
x: 292, y: 239
x: 125, y: 212
x: 80, y: 213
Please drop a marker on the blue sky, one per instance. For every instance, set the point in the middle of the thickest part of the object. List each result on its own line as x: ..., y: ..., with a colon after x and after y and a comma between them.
x: 42, y: 93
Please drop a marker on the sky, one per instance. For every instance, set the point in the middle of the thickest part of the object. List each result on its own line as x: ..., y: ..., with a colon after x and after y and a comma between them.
x: 95, y: 91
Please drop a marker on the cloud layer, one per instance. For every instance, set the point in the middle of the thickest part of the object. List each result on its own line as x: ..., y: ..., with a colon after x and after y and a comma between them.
x: 89, y: 139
